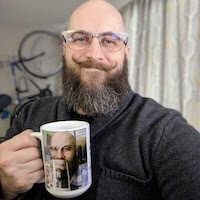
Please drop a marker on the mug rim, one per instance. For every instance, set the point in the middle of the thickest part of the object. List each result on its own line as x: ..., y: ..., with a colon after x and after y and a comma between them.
x: 51, y: 126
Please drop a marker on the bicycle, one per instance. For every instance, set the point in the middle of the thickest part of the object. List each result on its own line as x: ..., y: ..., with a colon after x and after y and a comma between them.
x: 40, y: 56
x: 42, y: 41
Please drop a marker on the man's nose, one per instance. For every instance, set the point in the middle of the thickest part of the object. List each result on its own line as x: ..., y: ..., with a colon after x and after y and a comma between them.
x: 59, y: 154
x: 94, y: 51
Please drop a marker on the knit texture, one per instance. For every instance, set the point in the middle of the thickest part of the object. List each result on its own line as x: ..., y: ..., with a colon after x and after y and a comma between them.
x: 142, y: 152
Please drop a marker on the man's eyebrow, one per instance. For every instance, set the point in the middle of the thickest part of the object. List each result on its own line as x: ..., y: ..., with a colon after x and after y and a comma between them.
x: 68, y: 145
x: 54, y: 146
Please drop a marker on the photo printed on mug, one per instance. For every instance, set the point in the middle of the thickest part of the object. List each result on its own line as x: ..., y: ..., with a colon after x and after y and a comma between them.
x: 66, y: 159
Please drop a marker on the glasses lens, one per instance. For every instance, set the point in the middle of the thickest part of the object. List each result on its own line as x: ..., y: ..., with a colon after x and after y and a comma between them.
x: 111, y: 41
x: 78, y: 40
x: 53, y: 149
x: 66, y: 148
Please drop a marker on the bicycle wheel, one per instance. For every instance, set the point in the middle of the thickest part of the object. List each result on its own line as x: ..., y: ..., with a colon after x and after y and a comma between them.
x: 40, y: 53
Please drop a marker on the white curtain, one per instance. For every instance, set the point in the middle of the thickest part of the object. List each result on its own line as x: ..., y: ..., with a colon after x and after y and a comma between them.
x: 165, y: 53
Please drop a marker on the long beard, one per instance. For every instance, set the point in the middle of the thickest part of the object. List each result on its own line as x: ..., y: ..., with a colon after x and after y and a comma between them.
x: 73, y: 166
x: 91, y: 100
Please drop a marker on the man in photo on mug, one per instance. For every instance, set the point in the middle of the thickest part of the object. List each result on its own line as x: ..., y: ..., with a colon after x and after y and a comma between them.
x: 140, y: 149
x: 57, y: 172
x: 60, y: 174
x: 63, y: 146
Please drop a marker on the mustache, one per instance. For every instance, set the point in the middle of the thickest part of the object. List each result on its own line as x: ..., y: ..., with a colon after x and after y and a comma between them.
x: 93, y: 64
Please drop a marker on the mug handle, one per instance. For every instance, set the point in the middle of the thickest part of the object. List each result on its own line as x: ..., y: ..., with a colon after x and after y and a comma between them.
x: 38, y: 135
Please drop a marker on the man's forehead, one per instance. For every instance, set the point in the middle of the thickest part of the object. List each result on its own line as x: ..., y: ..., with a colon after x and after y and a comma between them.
x: 96, y: 16
x: 60, y: 137
x: 62, y: 146
x: 96, y: 28
x: 60, y: 142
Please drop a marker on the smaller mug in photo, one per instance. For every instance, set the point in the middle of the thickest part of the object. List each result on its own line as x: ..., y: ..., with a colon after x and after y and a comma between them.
x: 61, y: 177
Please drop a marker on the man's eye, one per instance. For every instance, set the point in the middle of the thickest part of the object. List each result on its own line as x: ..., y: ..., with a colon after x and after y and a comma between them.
x: 107, y: 41
x: 53, y: 148
x: 80, y: 39
x: 65, y: 149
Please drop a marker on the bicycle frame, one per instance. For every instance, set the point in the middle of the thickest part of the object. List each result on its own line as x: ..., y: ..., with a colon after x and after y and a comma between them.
x: 17, y: 89
x: 16, y: 65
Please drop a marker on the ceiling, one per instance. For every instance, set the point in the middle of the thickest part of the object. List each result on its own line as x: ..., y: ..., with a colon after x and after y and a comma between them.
x: 29, y: 13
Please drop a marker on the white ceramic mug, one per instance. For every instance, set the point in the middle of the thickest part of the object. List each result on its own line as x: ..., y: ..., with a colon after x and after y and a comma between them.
x: 66, y: 157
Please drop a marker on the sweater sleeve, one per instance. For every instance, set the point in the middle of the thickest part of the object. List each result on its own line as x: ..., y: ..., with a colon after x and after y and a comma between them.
x: 35, y: 113
x: 18, y: 122
x: 177, y: 161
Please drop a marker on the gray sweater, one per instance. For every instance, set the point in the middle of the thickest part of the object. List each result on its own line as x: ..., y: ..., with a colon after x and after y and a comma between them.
x: 143, y: 151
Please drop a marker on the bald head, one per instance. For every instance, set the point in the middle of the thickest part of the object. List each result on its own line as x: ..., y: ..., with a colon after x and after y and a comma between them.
x: 63, y: 146
x: 96, y: 16
x: 62, y: 138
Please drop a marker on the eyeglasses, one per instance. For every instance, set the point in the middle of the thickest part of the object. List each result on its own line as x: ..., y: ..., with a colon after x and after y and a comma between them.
x: 109, y: 41
x: 63, y: 149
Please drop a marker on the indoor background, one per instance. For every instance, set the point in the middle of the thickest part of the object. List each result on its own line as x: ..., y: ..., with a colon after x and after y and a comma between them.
x: 165, y: 45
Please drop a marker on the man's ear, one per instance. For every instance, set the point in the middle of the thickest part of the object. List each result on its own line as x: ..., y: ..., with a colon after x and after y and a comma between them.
x: 127, y: 51
x: 64, y: 47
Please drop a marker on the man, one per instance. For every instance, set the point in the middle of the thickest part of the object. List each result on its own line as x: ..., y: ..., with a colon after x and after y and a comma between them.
x: 63, y: 146
x: 140, y: 150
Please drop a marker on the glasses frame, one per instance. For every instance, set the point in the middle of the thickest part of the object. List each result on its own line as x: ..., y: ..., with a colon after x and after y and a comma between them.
x: 123, y: 34
x: 60, y: 148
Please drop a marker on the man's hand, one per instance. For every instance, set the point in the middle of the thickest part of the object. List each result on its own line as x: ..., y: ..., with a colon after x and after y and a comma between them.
x: 20, y: 164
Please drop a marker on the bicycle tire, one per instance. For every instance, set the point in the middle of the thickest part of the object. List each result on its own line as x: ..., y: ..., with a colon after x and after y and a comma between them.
x: 45, y: 49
